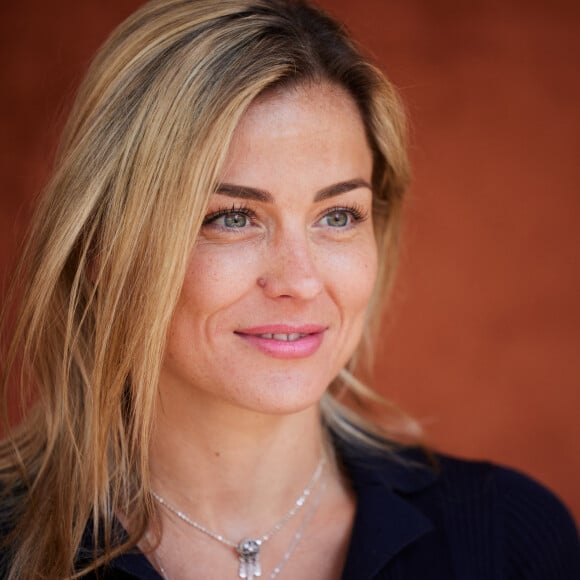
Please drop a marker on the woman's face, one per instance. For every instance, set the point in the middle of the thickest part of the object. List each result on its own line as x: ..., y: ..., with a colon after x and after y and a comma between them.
x: 274, y: 298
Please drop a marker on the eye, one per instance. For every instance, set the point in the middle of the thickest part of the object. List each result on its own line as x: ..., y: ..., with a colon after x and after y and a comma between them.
x: 343, y: 217
x: 235, y: 220
x: 337, y: 219
x: 229, y: 219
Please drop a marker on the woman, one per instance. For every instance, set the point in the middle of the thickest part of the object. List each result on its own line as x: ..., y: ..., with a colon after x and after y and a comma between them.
x: 199, y: 292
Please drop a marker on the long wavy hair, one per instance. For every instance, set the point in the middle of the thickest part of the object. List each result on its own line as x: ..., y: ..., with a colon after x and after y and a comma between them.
x: 108, y: 247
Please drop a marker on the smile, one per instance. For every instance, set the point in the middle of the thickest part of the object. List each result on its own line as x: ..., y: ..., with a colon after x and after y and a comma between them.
x: 284, y: 341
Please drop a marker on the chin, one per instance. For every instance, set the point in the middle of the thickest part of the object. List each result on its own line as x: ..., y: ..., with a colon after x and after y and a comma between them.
x: 286, y: 397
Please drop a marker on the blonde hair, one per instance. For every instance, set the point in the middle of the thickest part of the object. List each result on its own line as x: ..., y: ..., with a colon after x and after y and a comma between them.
x: 108, y: 248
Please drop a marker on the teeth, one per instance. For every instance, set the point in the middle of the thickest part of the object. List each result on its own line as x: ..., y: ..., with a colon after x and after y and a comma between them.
x: 283, y: 337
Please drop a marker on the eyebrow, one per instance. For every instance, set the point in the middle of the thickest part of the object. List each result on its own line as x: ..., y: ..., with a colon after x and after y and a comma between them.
x: 243, y: 192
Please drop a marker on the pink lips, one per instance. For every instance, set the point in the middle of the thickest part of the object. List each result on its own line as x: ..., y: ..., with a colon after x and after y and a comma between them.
x: 283, y: 340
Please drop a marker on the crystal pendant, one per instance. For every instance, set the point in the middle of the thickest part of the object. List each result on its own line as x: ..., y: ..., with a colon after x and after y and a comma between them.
x: 249, y: 552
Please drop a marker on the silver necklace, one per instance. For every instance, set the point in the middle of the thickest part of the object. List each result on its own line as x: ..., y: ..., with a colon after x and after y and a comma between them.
x: 291, y: 547
x: 248, y: 549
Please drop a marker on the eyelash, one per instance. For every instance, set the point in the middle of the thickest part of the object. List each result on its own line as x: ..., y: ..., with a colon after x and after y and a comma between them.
x: 242, y: 209
x: 357, y: 212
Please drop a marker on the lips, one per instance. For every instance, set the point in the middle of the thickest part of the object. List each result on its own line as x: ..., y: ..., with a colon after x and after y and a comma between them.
x: 284, y: 341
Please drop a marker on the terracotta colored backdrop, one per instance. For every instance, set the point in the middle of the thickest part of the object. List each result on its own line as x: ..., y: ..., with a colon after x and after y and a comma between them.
x: 483, y: 339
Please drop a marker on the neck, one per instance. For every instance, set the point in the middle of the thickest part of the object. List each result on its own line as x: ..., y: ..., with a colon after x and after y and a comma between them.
x: 233, y: 470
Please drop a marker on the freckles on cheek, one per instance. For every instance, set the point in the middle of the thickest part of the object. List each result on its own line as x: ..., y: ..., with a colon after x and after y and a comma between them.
x: 354, y: 274
x: 217, y: 275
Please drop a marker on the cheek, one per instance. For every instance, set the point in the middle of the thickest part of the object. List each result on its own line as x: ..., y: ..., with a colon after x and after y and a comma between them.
x: 353, y: 273
x: 216, y: 277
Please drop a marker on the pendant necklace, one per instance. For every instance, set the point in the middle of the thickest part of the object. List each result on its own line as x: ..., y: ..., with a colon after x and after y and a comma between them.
x: 248, y: 549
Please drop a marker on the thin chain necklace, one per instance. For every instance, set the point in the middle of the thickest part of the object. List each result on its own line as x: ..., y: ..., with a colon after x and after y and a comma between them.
x: 248, y: 549
x: 296, y: 538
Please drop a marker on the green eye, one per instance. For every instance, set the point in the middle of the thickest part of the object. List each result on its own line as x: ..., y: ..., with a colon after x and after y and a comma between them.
x: 337, y: 219
x: 235, y: 220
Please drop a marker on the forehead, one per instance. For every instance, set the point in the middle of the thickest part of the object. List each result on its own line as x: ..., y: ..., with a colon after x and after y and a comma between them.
x: 313, y: 131
x: 316, y: 104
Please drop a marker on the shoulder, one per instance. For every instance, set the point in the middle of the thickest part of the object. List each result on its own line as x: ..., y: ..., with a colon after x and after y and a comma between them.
x: 495, y: 521
x: 530, y: 530
x: 518, y: 498
x: 524, y: 524
x: 535, y: 534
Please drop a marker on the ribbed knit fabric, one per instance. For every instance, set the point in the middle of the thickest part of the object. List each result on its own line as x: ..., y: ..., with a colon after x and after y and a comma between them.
x: 486, y: 523
x: 467, y: 492
x: 538, y: 536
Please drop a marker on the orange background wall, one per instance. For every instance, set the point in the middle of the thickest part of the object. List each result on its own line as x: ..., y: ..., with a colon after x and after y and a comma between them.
x: 483, y: 336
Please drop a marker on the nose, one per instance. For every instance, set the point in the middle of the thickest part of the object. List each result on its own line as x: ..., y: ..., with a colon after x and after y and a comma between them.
x: 290, y: 270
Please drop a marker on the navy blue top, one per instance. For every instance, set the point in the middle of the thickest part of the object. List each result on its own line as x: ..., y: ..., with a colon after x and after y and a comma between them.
x: 463, y: 521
